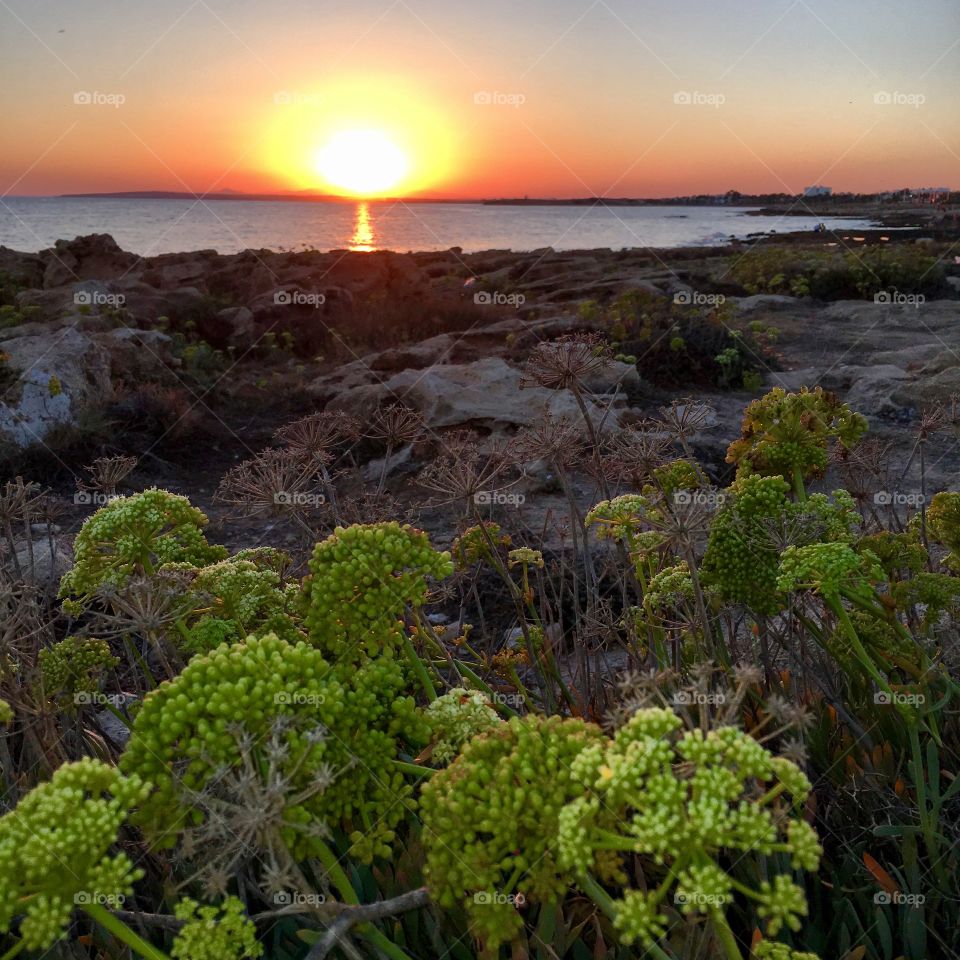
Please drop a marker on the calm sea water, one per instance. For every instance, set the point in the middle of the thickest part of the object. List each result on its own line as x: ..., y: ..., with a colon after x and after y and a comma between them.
x: 149, y: 227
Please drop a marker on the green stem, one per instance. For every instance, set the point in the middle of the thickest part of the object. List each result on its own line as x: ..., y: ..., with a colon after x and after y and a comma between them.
x: 13, y: 951
x: 799, y: 490
x: 122, y: 932
x: 725, y: 935
x: 419, y: 669
x: 414, y: 769
x: 337, y: 877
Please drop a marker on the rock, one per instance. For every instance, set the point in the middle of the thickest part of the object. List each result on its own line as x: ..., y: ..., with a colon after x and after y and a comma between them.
x: 375, y: 468
x: 44, y: 559
x: 59, y: 375
x: 954, y: 283
x: 241, y: 323
x: 95, y: 256
x: 486, y: 392
x: 615, y: 376
x: 763, y: 301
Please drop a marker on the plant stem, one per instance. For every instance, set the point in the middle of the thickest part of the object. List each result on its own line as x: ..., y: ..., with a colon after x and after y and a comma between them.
x: 122, y: 932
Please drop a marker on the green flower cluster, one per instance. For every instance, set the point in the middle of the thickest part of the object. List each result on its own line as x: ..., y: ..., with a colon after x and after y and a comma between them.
x: 362, y: 578
x: 221, y: 932
x: 490, y: 821
x: 686, y: 800
x: 6, y: 713
x: 826, y: 567
x: 788, y: 433
x: 620, y: 519
x: 54, y: 849
x: 243, y: 598
x: 455, y: 718
x: 670, y: 586
x: 771, y: 950
x: 337, y: 724
x: 743, y: 552
x: 137, y: 535
x: 471, y: 546
x: 669, y: 478
x: 74, y: 667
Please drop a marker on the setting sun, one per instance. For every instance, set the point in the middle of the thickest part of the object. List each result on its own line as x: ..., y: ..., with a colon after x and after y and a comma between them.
x: 363, y: 162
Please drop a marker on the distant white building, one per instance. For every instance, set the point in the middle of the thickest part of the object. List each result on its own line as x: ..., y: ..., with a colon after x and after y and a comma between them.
x: 817, y: 191
x: 926, y: 191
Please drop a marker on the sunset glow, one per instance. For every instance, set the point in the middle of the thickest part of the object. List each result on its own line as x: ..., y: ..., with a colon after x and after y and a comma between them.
x: 362, y: 162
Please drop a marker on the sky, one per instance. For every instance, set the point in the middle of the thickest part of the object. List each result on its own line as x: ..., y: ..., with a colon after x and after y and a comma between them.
x: 546, y: 98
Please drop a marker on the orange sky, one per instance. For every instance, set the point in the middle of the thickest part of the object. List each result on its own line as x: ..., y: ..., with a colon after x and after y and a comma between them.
x: 558, y: 98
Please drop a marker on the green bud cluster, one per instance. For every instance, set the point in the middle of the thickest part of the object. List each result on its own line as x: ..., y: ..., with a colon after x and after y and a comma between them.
x: 6, y: 713
x: 490, y: 821
x: 242, y: 598
x: 471, y: 546
x: 826, y: 567
x: 362, y: 578
x: 457, y: 717
x: 771, y: 950
x: 137, y: 535
x: 742, y: 557
x: 784, y: 433
x: 335, y: 722
x: 670, y: 586
x: 672, y: 477
x: 54, y: 849
x: 74, y: 666
x: 221, y: 932
x: 687, y: 800
x: 620, y: 519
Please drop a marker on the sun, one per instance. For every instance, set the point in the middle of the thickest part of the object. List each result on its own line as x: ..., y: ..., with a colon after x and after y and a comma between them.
x: 362, y: 162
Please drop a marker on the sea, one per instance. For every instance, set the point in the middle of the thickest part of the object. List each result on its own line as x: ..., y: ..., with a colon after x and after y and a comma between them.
x: 154, y: 226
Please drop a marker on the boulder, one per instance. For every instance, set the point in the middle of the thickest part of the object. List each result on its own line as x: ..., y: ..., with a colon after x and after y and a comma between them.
x: 96, y: 256
x: 485, y: 392
x: 58, y: 375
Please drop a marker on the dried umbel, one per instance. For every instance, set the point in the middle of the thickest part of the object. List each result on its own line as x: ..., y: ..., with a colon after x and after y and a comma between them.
x: 395, y: 425
x: 273, y: 483
x: 557, y: 440
x: 568, y: 363
x: 686, y: 417
x: 107, y: 473
x: 315, y: 436
x: 635, y: 453
x: 464, y: 473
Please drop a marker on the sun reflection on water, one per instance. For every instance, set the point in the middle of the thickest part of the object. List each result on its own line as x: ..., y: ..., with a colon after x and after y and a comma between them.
x: 362, y: 239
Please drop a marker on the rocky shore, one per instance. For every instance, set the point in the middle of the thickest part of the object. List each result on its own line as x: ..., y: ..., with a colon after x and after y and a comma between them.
x: 95, y: 341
